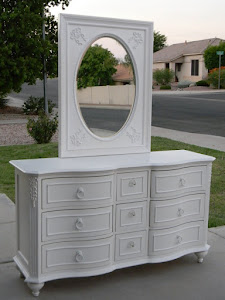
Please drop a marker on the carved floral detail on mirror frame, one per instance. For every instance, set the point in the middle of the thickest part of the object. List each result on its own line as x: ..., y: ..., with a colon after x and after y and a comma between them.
x: 77, y: 35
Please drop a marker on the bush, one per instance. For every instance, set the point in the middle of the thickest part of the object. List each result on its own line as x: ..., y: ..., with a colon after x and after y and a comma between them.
x: 43, y: 128
x: 183, y: 84
x: 165, y: 87
x: 202, y: 83
x: 35, y: 106
x: 163, y: 76
x: 214, y: 77
x: 3, y: 102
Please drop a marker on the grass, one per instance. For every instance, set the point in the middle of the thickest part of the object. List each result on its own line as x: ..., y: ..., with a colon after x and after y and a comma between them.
x: 217, y: 201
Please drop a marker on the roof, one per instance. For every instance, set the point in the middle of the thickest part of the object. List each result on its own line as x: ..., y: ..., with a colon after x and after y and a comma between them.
x: 123, y: 73
x: 175, y: 51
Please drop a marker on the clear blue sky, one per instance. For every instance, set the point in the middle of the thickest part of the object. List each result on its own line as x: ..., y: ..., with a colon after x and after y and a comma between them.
x: 179, y: 20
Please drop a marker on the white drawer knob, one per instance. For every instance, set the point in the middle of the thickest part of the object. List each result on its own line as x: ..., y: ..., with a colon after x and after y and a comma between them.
x: 80, y: 193
x: 180, y: 212
x: 179, y: 239
x: 132, y: 183
x: 131, y: 244
x: 79, y: 256
x: 79, y: 223
x: 132, y: 213
x: 182, y: 181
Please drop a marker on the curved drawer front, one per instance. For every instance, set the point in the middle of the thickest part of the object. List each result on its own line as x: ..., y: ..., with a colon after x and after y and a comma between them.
x: 131, y: 245
x: 177, y: 182
x: 76, y: 255
x: 173, y: 212
x: 163, y: 241
x: 132, y: 185
x: 76, y: 223
x: 80, y: 192
x: 131, y: 216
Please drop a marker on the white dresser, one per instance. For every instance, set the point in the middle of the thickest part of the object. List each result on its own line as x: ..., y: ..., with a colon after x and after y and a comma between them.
x: 83, y: 217
x: 107, y: 202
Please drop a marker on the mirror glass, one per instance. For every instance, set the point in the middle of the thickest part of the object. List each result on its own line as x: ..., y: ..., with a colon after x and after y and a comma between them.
x: 105, y: 87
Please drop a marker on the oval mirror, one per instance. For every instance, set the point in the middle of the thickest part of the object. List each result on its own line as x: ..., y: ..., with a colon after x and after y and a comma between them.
x: 105, y: 87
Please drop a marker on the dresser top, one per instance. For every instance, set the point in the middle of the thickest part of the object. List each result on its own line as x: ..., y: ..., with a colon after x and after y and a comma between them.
x: 108, y: 163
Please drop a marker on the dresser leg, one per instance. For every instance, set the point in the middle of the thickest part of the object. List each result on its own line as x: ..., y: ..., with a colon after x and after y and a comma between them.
x: 200, y: 256
x: 35, y: 288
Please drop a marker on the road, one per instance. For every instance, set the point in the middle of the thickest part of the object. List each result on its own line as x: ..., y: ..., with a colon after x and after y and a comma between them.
x: 199, y: 113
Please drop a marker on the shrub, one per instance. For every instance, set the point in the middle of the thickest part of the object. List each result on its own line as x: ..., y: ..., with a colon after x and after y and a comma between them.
x: 35, y: 105
x: 202, y: 83
x: 165, y: 87
x: 43, y: 128
x: 184, y: 84
x: 163, y: 76
x: 213, y: 78
x: 3, y: 102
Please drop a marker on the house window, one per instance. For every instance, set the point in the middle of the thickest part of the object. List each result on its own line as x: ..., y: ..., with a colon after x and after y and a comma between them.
x: 167, y: 65
x: 194, y: 67
x: 179, y: 67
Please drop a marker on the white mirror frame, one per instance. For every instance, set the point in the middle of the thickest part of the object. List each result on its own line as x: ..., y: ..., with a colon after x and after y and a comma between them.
x: 76, y: 34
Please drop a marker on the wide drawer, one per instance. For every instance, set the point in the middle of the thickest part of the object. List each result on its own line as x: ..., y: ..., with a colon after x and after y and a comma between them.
x: 169, y: 183
x: 163, y: 241
x: 76, y: 255
x: 173, y: 212
x: 79, y: 192
x: 76, y: 223
x: 132, y: 185
x: 131, y: 245
x: 131, y: 216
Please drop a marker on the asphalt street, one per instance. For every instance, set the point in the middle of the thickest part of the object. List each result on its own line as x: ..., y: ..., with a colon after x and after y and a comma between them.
x: 197, y: 113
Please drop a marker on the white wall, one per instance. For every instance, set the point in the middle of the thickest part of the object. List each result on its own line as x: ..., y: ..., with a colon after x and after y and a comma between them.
x: 185, y: 73
x: 107, y: 95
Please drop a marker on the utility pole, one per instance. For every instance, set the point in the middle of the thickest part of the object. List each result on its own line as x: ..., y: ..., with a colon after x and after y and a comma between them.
x: 220, y: 53
x: 44, y: 66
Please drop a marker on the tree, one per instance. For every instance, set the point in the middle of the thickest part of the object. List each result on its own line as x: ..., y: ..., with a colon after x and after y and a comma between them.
x: 21, y: 45
x: 97, y: 67
x: 211, y: 58
x: 159, y: 41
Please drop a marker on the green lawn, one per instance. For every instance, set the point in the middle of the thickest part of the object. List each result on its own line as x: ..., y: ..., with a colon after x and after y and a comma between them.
x: 217, y: 201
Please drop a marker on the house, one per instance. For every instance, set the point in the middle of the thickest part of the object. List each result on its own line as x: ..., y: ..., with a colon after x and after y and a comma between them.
x: 124, y: 75
x: 185, y: 59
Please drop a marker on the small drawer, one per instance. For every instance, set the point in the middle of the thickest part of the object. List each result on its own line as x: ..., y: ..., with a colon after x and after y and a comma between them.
x: 76, y: 223
x: 131, y: 216
x: 174, y: 212
x: 165, y: 241
x: 78, y: 192
x: 132, y: 186
x: 131, y: 245
x: 169, y: 183
x: 76, y: 255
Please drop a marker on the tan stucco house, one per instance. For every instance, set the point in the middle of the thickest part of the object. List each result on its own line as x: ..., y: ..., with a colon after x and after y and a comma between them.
x: 186, y: 59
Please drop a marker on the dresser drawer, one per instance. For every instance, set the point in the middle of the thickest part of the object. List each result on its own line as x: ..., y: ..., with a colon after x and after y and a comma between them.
x: 131, y: 245
x: 168, y: 213
x: 177, y: 182
x: 163, y: 241
x: 131, y: 216
x: 80, y: 192
x: 76, y: 223
x: 76, y: 255
x: 132, y: 185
